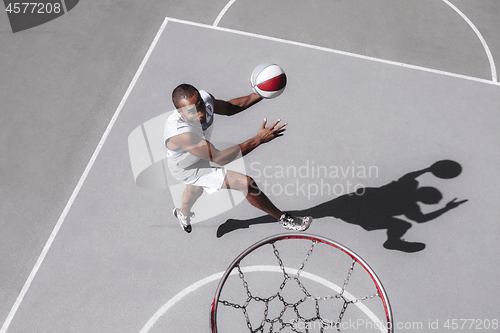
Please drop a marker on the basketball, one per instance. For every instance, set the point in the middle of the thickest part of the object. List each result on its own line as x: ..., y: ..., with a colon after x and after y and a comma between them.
x: 268, y: 80
x: 446, y: 169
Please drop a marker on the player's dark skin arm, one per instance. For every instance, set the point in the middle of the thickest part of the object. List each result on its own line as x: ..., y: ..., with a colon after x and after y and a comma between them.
x: 415, y: 174
x: 417, y: 216
x: 206, y: 150
x: 235, y: 105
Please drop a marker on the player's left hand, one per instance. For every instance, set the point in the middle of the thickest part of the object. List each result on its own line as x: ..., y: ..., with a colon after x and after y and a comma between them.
x: 267, y: 134
x: 454, y: 203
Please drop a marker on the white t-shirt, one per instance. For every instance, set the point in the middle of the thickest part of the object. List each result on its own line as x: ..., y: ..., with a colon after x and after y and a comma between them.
x: 183, y: 165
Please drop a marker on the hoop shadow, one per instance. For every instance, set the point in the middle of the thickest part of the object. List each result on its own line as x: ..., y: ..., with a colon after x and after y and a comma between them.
x: 377, y: 208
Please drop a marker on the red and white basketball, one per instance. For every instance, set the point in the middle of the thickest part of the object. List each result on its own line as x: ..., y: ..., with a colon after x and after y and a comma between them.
x: 268, y: 80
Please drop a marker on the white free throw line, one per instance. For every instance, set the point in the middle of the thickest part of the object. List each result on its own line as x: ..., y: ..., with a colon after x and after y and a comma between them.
x: 64, y: 6
x: 223, y: 11
x: 59, y: 223
x: 483, y: 41
x: 325, y: 49
x: 469, y: 22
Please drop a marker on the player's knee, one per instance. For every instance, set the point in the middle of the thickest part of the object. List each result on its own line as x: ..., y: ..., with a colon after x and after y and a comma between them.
x: 242, y: 183
x: 199, y: 191
x: 404, y: 225
x: 195, y: 190
x: 252, y: 185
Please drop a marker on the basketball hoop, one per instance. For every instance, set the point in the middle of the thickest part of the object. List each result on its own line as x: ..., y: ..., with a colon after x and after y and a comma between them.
x: 300, y: 300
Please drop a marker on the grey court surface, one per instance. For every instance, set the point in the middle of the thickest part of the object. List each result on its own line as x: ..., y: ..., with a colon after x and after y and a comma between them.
x: 119, y: 258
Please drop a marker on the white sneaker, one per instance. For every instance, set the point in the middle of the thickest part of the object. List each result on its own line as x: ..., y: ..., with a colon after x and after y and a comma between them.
x: 296, y: 223
x: 184, y: 220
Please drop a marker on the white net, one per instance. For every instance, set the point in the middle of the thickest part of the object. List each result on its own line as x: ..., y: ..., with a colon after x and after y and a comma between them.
x: 285, y: 296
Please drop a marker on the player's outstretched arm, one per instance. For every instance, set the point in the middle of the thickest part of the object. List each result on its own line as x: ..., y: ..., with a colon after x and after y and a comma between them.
x: 235, y: 105
x: 206, y: 150
x: 417, y: 215
x: 414, y: 174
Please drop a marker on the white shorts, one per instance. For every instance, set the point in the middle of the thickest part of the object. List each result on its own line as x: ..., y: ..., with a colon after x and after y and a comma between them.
x: 211, y: 181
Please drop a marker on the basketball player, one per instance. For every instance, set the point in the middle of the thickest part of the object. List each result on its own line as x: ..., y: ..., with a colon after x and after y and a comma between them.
x: 189, y: 151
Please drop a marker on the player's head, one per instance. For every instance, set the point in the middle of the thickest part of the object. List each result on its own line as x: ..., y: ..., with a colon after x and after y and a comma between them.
x: 189, y: 103
x: 429, y: 195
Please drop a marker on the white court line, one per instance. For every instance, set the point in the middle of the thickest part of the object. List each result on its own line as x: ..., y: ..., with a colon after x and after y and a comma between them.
x: 261, y: 268
x: 325, y: 49
x: 223, y: 11
x: 63, y: 2
x: 469, y: 22
x: 53, y: 235
x: 483, y: 41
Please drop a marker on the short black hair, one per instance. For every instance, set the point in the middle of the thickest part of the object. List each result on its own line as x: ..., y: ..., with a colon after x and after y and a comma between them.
x: 181, y: 92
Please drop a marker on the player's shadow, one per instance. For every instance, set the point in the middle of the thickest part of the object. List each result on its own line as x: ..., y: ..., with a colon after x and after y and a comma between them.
x: 377, y: 208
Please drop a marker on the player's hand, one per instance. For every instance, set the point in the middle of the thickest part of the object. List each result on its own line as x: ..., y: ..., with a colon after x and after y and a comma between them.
x: 454, y: 203
x: 267, y: 134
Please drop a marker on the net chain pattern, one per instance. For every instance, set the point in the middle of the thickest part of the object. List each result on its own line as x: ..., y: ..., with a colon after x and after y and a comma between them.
x: 278, y: 322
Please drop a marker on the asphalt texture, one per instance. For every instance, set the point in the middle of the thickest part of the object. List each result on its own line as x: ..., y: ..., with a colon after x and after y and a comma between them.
x: 63, y: 81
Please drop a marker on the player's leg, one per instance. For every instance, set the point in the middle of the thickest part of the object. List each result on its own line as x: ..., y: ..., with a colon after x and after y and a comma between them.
x: 248, y: 186
x: 257, y: 198
x: 396, y: 228
x: 189, y: 197
x: 184, y: 214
